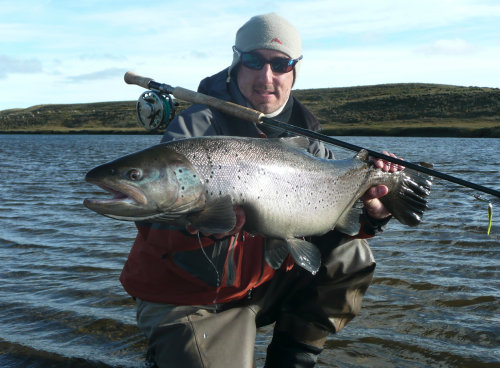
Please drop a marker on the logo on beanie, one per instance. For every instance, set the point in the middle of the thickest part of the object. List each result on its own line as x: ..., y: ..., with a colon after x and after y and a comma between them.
x: 276, y: 40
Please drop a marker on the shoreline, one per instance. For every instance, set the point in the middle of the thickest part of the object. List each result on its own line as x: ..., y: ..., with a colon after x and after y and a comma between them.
x: 442, y: 131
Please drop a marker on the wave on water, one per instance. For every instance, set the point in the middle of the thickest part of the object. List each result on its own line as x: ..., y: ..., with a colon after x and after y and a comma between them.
x: 434, y: 300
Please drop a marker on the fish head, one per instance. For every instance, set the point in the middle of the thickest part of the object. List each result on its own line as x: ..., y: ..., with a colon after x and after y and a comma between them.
x: 145, y: 184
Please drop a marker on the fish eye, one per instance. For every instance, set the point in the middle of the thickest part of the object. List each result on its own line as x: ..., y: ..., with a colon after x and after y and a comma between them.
x: 134, y: 174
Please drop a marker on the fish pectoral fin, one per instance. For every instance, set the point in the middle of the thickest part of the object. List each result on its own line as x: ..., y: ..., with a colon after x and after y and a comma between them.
x: 305, y: 254
x: 218, y: 218
x: 349, y: 222
x: 275, y: 252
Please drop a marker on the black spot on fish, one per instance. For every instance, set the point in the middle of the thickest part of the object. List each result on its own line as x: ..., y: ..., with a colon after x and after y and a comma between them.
x: 182, y: 188
x: 206, y: 180
x: 180, y: 170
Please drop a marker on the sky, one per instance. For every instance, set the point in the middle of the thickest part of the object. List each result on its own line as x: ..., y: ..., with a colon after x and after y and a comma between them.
x: 68, y: 51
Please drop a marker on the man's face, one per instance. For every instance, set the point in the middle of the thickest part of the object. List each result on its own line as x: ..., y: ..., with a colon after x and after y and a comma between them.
x: 266, y: 90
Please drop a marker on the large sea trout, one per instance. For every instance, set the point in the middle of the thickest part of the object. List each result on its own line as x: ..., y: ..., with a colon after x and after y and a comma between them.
x: 287, y: 193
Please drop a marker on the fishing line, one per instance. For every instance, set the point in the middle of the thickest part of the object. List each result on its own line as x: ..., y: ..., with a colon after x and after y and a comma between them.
x: 476, y: 197
x: 217, y: 283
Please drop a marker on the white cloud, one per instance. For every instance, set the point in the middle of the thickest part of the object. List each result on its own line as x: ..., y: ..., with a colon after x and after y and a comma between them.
x: 98, y: 75
x: 10, y: 65
x: 449, y: 47
x: 89, y: 56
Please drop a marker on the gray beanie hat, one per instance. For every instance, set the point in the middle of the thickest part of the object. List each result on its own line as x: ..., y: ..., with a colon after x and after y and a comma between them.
x: 268, y: 31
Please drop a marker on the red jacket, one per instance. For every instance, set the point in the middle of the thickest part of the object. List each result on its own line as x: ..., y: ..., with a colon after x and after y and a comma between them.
x: 154, y: 273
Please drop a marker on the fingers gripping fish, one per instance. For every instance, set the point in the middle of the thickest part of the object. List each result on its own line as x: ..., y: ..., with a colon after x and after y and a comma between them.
x: 287, y: 193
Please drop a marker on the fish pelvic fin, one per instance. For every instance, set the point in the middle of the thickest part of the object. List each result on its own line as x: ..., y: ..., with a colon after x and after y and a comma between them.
x: 218, y: 218
x: 408, y: 201
x: 305, y: 254
x: 275, y: 252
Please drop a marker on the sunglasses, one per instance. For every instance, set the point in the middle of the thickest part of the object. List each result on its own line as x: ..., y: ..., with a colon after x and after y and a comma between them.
x: 257, y: 62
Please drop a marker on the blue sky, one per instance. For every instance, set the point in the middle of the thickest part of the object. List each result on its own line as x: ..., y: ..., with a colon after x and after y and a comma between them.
x: 77, y: 51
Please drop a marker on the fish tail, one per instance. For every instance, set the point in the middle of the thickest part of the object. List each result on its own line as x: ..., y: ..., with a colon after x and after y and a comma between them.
x: 408, y: 201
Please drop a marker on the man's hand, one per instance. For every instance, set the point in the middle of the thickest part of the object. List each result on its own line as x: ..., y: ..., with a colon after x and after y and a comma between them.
x: 240, y: 221
x: 373, y: 206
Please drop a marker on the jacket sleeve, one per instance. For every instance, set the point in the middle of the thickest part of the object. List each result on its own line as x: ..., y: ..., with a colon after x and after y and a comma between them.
x: 195, y: 121
x: 318, y: 149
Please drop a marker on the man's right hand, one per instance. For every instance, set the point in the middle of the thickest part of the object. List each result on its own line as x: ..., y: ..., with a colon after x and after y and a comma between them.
x: 240, y: 221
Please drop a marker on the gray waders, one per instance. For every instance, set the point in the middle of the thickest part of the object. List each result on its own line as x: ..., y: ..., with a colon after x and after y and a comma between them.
x: 305, y: 308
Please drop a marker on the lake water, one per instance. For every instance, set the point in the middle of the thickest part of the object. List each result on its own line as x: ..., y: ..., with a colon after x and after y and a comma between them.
x: 434, y: 301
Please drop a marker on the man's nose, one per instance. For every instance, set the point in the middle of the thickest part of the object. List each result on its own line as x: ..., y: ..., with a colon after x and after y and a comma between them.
x: 266, y: 74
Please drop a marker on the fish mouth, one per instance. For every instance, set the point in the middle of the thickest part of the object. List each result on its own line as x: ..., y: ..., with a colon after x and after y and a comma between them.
x: 122, y: 194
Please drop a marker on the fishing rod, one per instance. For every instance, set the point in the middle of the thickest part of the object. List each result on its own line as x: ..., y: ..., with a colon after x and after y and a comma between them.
x: 148, y: 110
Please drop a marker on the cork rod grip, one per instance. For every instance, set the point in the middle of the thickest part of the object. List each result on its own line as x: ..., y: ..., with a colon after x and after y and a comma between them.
x: 132, y: 78
x: 227, y: 107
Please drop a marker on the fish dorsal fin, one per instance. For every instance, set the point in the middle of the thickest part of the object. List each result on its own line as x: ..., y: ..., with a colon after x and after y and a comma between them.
x: 362, y: 155
x: 218, y: 218
x: 296, y: 142
x: 349, y: 222
x: 275, y: 252
x: 305, y: 254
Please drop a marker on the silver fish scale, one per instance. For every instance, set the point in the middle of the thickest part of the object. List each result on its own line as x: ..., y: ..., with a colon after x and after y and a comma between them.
x: 293, y: 193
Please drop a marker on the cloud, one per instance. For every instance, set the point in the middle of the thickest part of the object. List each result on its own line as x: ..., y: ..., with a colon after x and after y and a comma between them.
x: 10, y: 65
x: 99, y: 75
x: 449, y: 47
x: 103, y: 57
x: 199, y: 54
x: 371, y: 37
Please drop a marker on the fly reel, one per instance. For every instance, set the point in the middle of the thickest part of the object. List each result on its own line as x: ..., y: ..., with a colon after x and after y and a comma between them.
x: 155, y: 110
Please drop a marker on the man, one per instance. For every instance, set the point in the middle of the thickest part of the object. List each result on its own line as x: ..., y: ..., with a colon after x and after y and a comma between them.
x: 201, y: 296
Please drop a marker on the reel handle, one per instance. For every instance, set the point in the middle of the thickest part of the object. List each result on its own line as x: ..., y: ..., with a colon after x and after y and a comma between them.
x: 132, y: 78
x: 197, y: 98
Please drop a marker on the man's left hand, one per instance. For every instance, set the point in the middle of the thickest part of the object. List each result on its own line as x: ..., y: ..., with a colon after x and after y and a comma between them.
x: 373, y: 205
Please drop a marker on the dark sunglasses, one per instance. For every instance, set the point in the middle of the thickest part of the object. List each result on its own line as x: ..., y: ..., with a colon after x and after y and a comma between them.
x: 257, y: 62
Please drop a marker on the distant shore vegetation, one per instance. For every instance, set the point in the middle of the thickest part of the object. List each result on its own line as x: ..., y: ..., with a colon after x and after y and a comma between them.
x: 409, y: 109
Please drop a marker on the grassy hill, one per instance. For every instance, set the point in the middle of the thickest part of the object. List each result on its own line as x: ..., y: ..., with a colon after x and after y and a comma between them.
x: 391, y: 109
